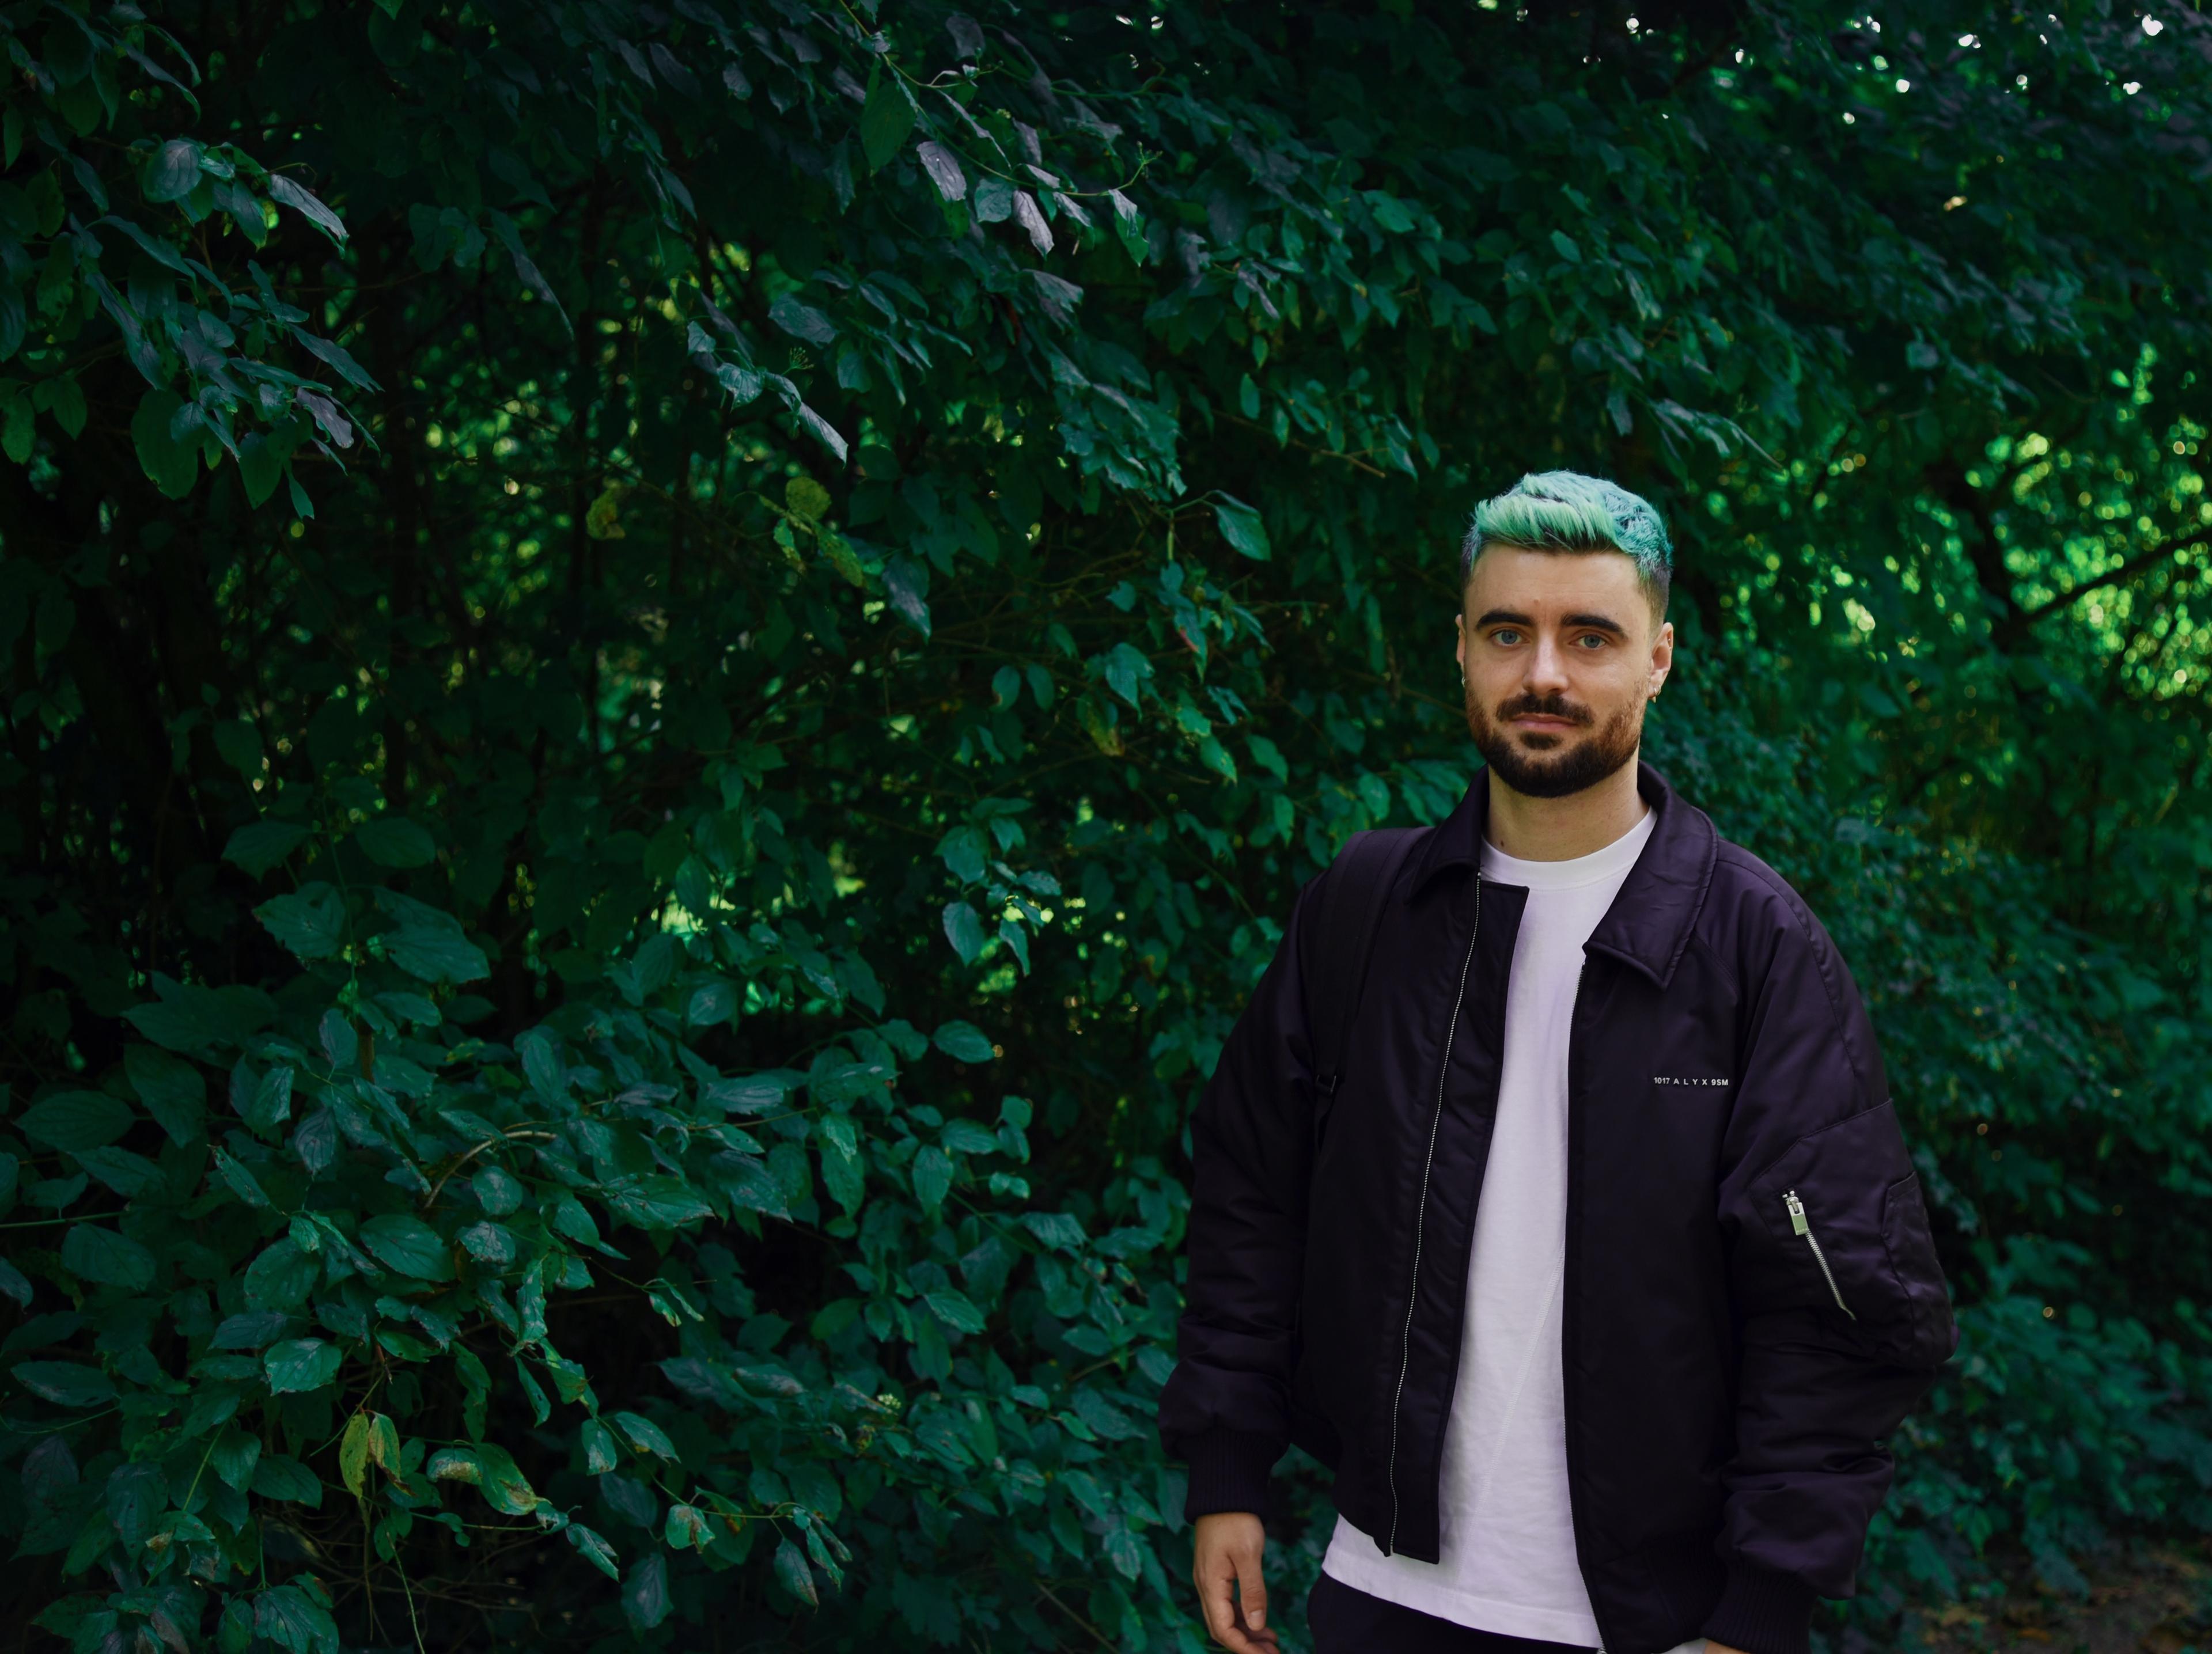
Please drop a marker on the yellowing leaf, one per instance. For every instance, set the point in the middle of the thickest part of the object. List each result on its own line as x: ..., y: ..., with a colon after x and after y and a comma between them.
x: 353, y: 1455
x: 602, y: 521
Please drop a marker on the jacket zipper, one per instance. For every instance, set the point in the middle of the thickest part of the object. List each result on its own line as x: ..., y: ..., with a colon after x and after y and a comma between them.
x: 1568, y: 1340
x: 1799, y: 1225
x: 1420, y: 1219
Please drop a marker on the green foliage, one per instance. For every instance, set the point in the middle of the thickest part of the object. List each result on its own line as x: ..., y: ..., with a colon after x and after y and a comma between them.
x: 603, y: 999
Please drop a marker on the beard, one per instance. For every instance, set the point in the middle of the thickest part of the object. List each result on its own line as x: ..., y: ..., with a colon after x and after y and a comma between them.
x: 1554, y: 765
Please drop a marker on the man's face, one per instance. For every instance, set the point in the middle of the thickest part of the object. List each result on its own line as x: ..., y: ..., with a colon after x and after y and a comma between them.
x: 1560, y: 655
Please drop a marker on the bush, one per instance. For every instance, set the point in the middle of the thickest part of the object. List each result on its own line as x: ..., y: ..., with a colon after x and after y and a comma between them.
x: 672, y: 666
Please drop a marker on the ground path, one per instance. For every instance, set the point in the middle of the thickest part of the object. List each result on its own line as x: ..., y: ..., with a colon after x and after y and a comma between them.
x: 2155, y: 1601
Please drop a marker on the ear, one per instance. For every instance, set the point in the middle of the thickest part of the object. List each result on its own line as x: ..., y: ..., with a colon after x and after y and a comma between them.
x: 1663, y: 659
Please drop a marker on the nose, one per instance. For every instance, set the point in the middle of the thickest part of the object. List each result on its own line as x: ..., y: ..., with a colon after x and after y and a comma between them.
x: 1547, y: 667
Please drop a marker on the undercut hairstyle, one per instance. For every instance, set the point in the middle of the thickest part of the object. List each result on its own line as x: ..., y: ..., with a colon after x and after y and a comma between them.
x: 1567, y: 511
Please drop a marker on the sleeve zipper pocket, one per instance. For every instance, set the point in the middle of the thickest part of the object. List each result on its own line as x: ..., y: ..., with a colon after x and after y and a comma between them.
x: 1799, y: 1225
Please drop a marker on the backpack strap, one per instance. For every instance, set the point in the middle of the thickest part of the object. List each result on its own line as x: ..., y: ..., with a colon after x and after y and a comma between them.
x: 1344, y: 939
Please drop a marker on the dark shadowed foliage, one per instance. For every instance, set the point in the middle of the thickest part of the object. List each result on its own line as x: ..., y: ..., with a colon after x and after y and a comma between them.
x: 669, y: 665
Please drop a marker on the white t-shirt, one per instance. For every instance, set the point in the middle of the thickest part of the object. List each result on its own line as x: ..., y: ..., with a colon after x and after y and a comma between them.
x: 1508, y: 1559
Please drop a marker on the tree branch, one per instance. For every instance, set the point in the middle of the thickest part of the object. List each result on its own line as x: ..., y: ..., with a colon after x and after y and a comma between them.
x: 2020, y: 620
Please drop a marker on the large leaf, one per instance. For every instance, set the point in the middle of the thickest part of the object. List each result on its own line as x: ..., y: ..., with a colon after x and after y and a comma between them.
x: 295, y: 1621
x: 656, y: 1203
x: 302, y: 1364
x: 408, y: 1244
x: 132, y: 1176
x: 239, y: 1179
x: 311, y: 922
x: 885, y: 120
x: 794, y: 1575
x: 802, y: 320
x: 964, y: 930
x: 395, y: 841
x: 235, y: 1457
x: 963, y: 1040
x: 260, y: 845
x: 429, y: 943
x: 954, y: 1309
x: 171, y: 1089
x: 645, y: 1435
x: 66, y: 1384
x: 201, y: 1022
x: 286, y: 1478
x: 506, y: 1489
x: 645, y: 1594
x: 92, y: 1252
x: 75, y: 1120
x: 280, y: 1277
x: 757, y: 1094
x: 170, y: 462
x: 252, y: 1330
x: 135, y: 1494
x: 172, y: 170
x: 1241, y: 526
x: 944, y: 170
x: 353, y: 1454
x: 303, y: 201
x: 595, y: 1549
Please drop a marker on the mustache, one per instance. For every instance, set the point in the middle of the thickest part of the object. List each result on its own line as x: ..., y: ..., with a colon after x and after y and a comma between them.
x: 1552, y: 705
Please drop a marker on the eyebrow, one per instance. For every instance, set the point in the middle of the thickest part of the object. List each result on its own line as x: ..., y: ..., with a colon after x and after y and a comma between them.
x: 1596, y: 623
x: 1509, y: 617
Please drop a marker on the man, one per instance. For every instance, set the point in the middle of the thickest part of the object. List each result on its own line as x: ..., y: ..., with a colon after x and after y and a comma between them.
x: 1549, y: 1188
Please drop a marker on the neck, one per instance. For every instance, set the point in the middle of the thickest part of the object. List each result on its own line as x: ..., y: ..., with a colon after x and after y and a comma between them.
x: 1559, y: 829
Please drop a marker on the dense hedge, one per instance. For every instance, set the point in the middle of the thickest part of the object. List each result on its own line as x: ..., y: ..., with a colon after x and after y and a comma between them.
x: 670, y: 666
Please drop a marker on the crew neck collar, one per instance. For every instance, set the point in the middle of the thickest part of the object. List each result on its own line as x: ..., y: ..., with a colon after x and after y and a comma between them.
x: 1648, y: 924
x: 1610, y: 862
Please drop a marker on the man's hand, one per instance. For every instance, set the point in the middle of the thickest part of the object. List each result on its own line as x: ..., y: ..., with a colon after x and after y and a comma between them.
x: 1225, y: 1563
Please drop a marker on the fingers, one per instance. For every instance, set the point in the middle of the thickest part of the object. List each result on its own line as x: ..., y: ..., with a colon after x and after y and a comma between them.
x: 1216, y: 1577
x: 1234, y: 1598
x: 1252, y: 1592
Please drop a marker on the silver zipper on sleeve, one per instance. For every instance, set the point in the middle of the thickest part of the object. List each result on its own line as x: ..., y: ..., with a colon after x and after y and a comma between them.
x: 1799, y: 1226
x: 1420, y: 1217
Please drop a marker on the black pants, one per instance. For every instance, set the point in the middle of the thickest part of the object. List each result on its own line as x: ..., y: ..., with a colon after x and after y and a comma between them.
x: 1347, y: 1621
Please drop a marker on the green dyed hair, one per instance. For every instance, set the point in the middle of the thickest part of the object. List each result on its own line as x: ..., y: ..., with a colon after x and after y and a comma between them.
x: 1566, y: 511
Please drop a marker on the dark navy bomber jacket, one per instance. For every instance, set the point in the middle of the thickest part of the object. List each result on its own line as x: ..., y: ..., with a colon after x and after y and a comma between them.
x: 1753, y: 1302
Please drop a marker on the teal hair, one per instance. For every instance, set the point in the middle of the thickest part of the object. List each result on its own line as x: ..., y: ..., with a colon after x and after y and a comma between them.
x: 1566, y: 511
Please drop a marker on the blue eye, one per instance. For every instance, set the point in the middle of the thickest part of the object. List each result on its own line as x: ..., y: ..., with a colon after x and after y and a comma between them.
x: 1505, y: 635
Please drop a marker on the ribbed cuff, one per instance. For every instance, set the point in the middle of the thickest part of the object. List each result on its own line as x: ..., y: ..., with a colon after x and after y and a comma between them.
x: 1763, y: 1611
x: 1228, y: 1471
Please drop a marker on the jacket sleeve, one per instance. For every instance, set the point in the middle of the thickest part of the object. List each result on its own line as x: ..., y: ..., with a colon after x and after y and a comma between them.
x: 1226, y: 1407
x: 1841, y: 1307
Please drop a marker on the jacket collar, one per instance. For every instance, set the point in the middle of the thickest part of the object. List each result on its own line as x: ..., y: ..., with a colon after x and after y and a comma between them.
x: 1648, y: 924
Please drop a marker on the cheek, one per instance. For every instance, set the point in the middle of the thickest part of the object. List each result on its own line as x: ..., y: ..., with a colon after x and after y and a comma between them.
x: 1490, y: 672
x: 1610, y: 684
x: 1610, y: 666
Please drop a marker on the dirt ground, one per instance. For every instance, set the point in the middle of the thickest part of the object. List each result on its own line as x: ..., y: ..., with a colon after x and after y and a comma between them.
x: 2157, y: 1601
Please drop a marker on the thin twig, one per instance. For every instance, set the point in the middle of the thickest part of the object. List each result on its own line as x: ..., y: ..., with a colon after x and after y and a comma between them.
x: 1053, y: 1597
x: 513, y: 1134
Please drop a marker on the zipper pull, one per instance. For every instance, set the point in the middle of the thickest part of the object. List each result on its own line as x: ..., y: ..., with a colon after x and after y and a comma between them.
x: 1797, y: 1224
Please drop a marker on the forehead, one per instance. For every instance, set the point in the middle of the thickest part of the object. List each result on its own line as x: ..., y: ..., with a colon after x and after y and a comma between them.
x: 1536, y: 583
